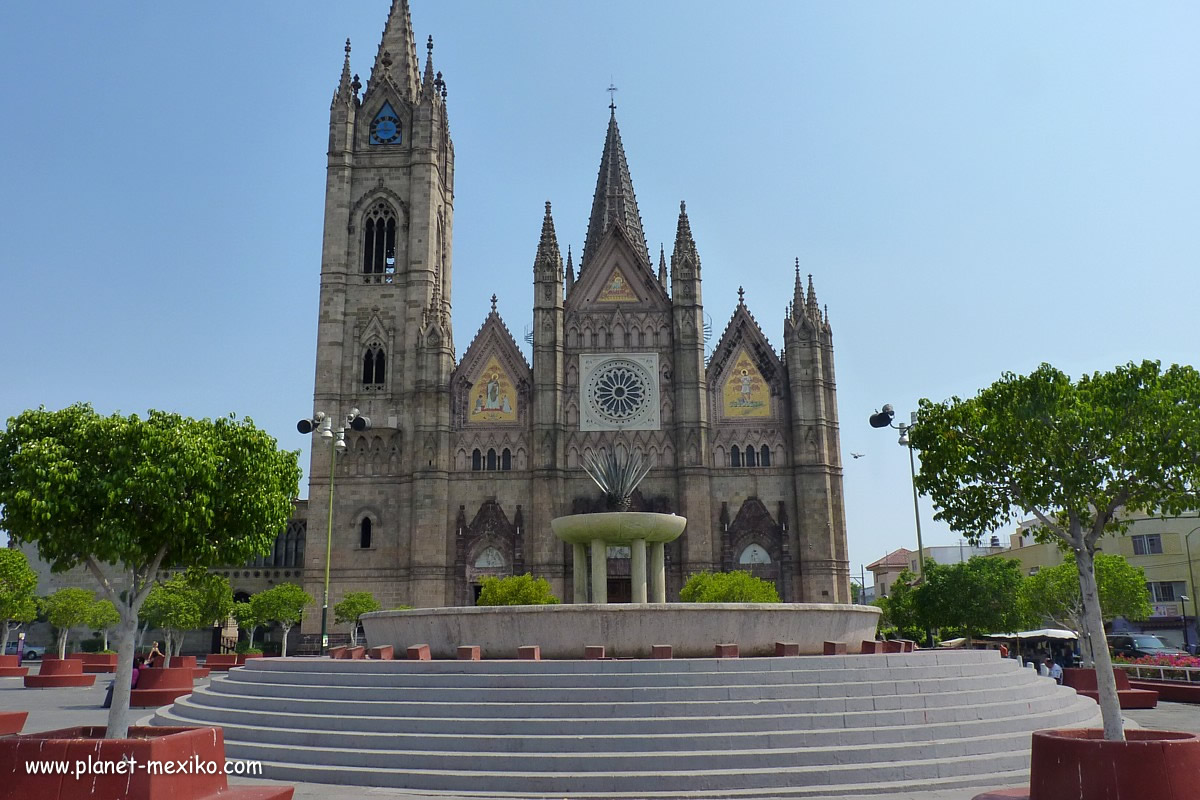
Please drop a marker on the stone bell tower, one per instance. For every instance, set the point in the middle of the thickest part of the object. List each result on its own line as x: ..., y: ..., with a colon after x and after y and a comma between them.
x: 384, y: 342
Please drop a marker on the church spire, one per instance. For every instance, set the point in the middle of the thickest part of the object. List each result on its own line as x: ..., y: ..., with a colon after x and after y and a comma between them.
x: 662, y: 266
x: 345, y: 91
x: 427, y: 79
x: 570, y: 269
x: 685, y: 260
x: 797, y: 292
x: 547, y: 264
x: 397, y: 56
x: 614, y: 201
x: 814, y: 308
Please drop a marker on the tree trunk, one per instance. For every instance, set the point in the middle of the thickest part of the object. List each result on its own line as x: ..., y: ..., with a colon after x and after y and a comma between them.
x: 167, y: 652
x: 62, y: 643
x: 283, y: 651
x: 118, y: 714
x: 104, y: 633
x: 1106, y: 682
x: 141, y: 636
x: 354, y: 634
x: 4, y: 641
x: 251, y: 629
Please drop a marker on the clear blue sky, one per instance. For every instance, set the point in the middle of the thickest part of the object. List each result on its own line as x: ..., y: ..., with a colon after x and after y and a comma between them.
x: 976, y: 188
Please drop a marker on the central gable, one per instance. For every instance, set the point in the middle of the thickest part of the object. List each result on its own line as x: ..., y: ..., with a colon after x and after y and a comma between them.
x: 490, y: 386
x: 617, y: 275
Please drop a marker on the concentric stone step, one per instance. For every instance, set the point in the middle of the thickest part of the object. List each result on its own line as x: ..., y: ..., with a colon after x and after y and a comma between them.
x: 811, y: 726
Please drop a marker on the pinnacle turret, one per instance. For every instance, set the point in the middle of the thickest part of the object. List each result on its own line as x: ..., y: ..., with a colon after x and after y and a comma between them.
x: 684, y: 257
x: 346, y: 92
x: 570, y: 269
x: 397, y: 56
x: 614, y: 202
x: 814, y: 308
x: 797, y: 293
x: 427, y: 78
x: 547, y: 265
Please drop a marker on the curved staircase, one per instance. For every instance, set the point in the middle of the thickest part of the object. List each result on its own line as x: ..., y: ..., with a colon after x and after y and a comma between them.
x: 807, y: 727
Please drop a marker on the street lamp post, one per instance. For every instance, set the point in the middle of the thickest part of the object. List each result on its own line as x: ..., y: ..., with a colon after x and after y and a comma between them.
x: 1183, y: 598
x: 337, y: 444
x: 1191, y: 579
x: 883, y: 419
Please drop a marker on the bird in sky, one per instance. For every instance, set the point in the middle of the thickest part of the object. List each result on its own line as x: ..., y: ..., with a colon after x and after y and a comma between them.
x: 858, y: 455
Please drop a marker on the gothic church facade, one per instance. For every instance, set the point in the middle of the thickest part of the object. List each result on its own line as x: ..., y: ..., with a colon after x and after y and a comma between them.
x: 469, y: 458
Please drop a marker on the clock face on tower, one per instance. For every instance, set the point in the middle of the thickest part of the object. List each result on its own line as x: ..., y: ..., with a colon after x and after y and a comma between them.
x: 385, y: 128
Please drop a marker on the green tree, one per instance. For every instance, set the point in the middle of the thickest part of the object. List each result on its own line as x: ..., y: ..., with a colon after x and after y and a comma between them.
x: 127, y: 496
x: 103, y: 617
x: 244, y: 614
x: 18, y: 584
x: 351, y: 609
x: 188, y: 601
x: 900, y: 610
x: 67, y: 609
x: 516, y: 590
x: 980, y: 595
x: 728, y: 587
x: 284, y: 604
x: 1053, y: 593
x: 1072, y: 454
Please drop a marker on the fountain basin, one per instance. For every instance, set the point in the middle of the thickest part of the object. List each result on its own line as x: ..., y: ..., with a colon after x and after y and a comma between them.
x: 618, y: 528
x: 625, y: 630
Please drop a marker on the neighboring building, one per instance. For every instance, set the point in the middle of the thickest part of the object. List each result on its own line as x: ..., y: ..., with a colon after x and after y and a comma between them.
x: 887, y: 569
x: 471, y: 456
x: 1156, y: 545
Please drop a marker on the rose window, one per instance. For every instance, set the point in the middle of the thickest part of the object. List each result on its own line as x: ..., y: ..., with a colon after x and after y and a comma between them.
x: 619, y: 391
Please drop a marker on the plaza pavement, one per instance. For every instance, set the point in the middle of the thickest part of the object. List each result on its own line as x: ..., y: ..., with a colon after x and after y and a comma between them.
x: 63, y: 708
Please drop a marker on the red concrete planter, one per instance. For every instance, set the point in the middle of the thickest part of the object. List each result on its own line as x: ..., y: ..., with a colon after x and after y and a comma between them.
x: 1080, y: 764
x: 158, y: 687
x: 1167, y: 690
x: 11, y: 668
x: 59, y: 672
x: 1083, y: 681
x: 189, y: 662
x: 159, y: 745
x: 12, y: 721
x: 221, y: 661
x: 96, y: 663
x: 241, y: 659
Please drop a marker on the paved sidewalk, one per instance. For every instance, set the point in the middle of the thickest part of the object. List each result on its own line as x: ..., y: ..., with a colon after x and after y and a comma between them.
x: 64, y: 708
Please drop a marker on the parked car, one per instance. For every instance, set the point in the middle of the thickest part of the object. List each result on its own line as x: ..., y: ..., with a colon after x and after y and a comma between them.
x: 32, y: 652
x: 1136, y: 645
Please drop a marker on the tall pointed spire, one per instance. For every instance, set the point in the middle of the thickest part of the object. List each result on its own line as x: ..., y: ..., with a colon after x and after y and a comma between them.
x: 797, y: 292
x: 814, y: 308
x: 570, y: 269
x: 427, y: 79
x: 614, y: 201
x: 662, y: 266
x: 547, y: 264
x: 345, y: 90
x: 397, y: 54
x: 684, y: 258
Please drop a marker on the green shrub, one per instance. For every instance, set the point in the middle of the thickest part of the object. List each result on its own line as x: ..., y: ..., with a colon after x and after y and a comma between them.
x: 516, y: 590
x: 91, y: 645
x: 728, y: 587
x: 244, y: 647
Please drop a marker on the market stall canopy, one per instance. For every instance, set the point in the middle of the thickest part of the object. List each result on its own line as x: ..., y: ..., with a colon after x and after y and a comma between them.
x: 1042, y: 633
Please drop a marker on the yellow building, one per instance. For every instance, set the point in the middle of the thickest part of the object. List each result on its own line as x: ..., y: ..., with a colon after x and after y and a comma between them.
x: 1160, y: 547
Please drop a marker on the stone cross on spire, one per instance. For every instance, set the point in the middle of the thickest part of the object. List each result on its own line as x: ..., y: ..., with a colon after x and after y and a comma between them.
x: 493, y: 304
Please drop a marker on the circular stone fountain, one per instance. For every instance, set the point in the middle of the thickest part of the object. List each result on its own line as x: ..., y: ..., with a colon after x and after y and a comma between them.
x: 624, y: 630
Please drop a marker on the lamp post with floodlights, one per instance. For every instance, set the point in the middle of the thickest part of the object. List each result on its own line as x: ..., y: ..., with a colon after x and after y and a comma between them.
x: 883, y: 419
x: 322, y: 424
x: 1191, y: 579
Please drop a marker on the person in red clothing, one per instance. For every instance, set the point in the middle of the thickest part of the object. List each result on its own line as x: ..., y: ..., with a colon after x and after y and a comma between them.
x: 138, y: 663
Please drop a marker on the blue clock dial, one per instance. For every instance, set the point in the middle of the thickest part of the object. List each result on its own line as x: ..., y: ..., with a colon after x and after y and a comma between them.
x: 385, y: 128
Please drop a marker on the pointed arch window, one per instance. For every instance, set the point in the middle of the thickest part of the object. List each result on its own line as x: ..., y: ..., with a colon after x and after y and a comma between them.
x: 491, y: 459
x: 379, y: 244
x: 364, y: 533
x: 735, y: 456
x: 476, y: 460
x: 374, y: 372
x: 764, y: 456
x: 751, y: 457
x: 506, y: 459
